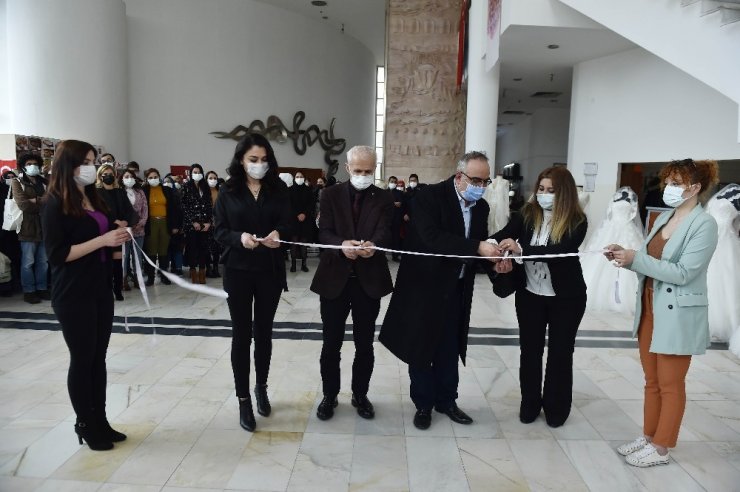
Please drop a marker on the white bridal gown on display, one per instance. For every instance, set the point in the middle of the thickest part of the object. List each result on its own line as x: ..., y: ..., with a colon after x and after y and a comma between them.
x: 611, y: 288
x: 723, y: 274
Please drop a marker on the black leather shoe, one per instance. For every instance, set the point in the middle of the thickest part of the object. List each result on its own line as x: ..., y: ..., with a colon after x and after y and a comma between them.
x: 528, y: 412
x: 556, y: 419
x: 165, y: 280
x: 326, y: 408
x: 263, y: 402
x: 457, y: 415
x: 304, y: 268
x: 364, y: 407
x: 246, y: 414
x: 423, y: 418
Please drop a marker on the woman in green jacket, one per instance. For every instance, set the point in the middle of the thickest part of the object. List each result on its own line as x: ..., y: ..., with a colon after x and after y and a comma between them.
x: 671, y: 316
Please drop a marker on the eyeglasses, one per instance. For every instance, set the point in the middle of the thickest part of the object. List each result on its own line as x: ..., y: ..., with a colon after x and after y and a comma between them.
x: 478, y: 181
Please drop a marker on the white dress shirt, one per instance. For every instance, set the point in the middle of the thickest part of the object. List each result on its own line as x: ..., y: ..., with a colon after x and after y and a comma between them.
x: 539, y: 280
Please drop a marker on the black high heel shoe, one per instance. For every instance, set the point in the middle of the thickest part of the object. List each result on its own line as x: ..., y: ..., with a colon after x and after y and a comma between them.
x: 92, y: 435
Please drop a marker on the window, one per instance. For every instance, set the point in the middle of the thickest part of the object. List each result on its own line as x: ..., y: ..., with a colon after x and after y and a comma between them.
x: 379, y: 118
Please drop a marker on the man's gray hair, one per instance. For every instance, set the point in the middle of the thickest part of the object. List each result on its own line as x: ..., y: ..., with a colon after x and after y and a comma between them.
x: 471, y: 156
x: 361, y: 151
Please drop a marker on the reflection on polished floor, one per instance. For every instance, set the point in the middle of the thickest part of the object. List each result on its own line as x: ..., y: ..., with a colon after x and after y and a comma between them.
x: 171, y: 390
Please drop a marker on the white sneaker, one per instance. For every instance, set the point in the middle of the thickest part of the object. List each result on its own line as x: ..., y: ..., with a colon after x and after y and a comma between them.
x: 631, y: 447
x: 648, y: 456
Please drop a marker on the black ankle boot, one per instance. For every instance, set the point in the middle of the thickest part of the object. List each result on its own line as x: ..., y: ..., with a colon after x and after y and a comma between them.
x: 292, y: 265
x: 263, y: 402
x: 246, y: 414
x: 92, y: 434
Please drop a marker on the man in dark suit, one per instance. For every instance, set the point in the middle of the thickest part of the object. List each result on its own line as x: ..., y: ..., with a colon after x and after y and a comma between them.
x: 354, y: 215
x: 428, y: 318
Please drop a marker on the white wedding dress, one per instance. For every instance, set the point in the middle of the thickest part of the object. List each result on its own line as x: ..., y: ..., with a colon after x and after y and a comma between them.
x: 611, y: 288
x: 723, y: 273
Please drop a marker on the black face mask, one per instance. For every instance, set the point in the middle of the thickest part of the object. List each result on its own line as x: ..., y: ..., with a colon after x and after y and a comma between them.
x: 108, y: 179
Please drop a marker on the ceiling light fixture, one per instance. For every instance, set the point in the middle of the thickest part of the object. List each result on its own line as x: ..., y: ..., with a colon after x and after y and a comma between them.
x: 517, y: 79
x: 553, y: 46
x: 318, y: 3
x: 324, y: 17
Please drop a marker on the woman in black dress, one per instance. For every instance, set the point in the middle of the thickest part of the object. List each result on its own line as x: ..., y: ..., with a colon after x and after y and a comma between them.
x: 198, y: 217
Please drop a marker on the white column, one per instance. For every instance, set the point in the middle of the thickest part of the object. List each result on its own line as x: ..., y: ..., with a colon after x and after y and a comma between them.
x: 483, y: 87
x: 68, y: 75
x: 4, y: 74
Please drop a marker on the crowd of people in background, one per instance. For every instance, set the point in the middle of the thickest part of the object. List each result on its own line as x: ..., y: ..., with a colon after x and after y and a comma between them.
x: 171, y: 220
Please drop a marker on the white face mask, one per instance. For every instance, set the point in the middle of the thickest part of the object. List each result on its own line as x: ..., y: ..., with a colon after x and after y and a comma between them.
x: 257, y: 170
x: 177, y: 185
x: 196, y: 177
x: 8, y: 181
x: 300, y: 181
x: 361, y: 182
x: 87, y: 175
x: 153, y: 181
x: 212, y: 183
x: 33, y: 170
x: 413, y: 184
x: 546, y: 200
x: 129, y: 182
x: 392, y: 186
x: 673, y: 196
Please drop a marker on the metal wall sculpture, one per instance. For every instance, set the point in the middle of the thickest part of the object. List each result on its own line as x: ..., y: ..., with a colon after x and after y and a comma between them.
x: 275, y: 130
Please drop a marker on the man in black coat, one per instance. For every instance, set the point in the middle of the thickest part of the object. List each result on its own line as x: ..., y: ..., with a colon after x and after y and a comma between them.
x: 428, y: 318
x: 352, y: 214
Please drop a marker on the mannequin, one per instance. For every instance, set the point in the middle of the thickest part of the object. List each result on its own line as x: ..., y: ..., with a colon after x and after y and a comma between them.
x: 723, y: 273
x: 611, y: 288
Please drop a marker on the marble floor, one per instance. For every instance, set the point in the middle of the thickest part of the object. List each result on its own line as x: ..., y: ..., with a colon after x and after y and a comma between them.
x: 170, y: 389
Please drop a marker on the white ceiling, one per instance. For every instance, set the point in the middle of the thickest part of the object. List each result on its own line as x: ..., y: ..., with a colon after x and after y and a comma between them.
x: 363, y: 19
x: 525, y: 55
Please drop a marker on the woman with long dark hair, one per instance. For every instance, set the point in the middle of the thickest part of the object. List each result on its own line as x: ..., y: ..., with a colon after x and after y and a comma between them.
x: 80, y: 235
x: 550, y: 294
x: 252, y: 212
x: 214, y: 249
x: 198, y: 216
x: 137, y: 199
x: 123, y: 215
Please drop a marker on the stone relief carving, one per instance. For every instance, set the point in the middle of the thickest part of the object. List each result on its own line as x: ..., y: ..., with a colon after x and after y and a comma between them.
x: 425, y: 115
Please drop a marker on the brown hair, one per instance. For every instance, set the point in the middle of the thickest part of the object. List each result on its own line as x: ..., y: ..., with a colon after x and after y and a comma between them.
x: 705, y: 172
x: 152, y: 170
x: 567, y: 213
x: 69, y: 155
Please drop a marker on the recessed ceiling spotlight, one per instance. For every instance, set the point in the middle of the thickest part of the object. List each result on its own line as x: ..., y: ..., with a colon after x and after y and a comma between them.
x: 553, y: 100
x: 517, y: 79
x: 553, y: 46
x: 318, y: 3
x: 325, y: 17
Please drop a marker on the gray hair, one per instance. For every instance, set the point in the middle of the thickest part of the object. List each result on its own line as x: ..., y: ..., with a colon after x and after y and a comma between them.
x: 473, y: 155
x: 361, y: 151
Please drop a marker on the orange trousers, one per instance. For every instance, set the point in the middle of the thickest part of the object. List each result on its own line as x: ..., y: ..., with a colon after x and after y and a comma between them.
x: 665, y: 383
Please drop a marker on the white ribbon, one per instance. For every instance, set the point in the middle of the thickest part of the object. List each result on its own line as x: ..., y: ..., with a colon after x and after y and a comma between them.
x: 418, y: 253
x: 201, y: 289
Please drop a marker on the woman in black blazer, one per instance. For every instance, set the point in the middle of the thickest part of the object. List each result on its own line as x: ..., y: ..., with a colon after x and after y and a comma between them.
x: 122, y: 213
x: 79, y: 235
x: 252, y: 211
x: 550, y: 294
x: 197, y: 218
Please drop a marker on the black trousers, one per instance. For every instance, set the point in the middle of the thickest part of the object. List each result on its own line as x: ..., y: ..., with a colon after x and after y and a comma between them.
x: 197, y: 249
x: 561, y: 318
x: 263, y: 290
x: 334, y: 314
x: 86, y: 330
x: 435, y: 385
